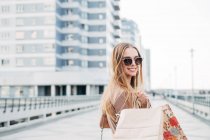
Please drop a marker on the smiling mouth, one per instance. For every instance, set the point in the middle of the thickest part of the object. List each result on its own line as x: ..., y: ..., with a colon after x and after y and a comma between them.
x: 132, y: 69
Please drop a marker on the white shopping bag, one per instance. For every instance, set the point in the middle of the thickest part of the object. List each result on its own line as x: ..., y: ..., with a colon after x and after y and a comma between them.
x: 140, y: 124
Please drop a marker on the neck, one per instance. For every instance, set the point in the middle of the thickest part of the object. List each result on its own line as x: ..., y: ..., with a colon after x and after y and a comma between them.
x: 129, y: 79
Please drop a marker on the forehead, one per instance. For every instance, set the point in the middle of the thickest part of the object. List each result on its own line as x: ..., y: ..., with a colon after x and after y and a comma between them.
x: 131, y: 52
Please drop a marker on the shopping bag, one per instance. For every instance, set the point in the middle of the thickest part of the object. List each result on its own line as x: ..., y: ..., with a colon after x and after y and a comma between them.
x: 171, y: 127
x: 140, y: 124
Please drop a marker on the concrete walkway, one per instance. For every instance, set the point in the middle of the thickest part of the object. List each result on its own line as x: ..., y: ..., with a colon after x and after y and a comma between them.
x: 85, y: 127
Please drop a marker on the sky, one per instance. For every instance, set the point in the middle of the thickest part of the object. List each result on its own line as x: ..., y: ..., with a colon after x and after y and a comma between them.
x: 170, y: 28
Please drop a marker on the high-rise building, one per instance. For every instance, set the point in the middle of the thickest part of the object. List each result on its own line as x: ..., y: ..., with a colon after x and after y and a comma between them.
x: 130, y: 32
x: 50, y: 39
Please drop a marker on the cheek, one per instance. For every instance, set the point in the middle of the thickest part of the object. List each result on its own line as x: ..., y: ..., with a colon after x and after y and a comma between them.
x: 125, y: 69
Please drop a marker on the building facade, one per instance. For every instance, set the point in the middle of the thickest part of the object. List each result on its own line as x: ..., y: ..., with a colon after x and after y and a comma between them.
x: 130, y: 32
x: 52, y: 38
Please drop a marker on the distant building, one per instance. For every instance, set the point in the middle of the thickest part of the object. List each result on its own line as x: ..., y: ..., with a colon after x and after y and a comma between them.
x: 130, y: 32
x: 42, y: 41
x: 146, y: 69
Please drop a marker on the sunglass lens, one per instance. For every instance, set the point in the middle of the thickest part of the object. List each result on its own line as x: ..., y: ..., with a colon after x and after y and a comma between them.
x: 138, y: 61
x: 127, y: 61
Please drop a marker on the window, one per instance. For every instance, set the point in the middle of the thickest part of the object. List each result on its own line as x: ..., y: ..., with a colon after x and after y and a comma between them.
x: 102, y: 28
x: 20, y: 35
x: 49, y: 47
x: 86, y: 27
x: 70, y: 49
x: 33, y: 48
x: 20, y: 8
x: 4, y: 35
x: 5, y: 22
x: 33, y: 61
x: 49, y: 6
x: 20, y: 48
x: 33, y: 34
x: 4, y: 49
x: 101, y: 64
x: 84, y: 15
x: 84, y: 3
x: 100, y: 52
x: 49, y: 61
x: 101, y: 41
x: 5, y: 9
x: 5, y: 62
x: 71, y: 37
x: 49, y: 20
x: 68, y: 24
x: 68, y: 37
x: 33, y: 21
x: 84, y: 39
x: 84, y: 51
x: 70, y: 62
x: 19, y: 92
x: 19, y: 62
x: 101, y: 4
x: 49, y: 34
x: 84, y: 64
x: 20, y: 22
x: 100, y: 16
x: 5, y: 91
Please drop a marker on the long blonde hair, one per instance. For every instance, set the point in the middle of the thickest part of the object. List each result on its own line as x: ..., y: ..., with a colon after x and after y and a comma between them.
x: 119, y: 81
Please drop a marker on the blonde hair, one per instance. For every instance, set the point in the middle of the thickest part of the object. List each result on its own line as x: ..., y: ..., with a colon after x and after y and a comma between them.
x: 118, y: 82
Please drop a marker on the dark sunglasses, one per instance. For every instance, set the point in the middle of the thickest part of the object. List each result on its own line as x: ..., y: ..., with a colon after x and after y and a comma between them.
x: 128, y: 60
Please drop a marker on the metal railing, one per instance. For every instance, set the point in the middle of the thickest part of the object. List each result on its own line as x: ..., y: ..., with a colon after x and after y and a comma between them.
x: 11, y: 104
x: 20, y: 112
x: 197, y: 104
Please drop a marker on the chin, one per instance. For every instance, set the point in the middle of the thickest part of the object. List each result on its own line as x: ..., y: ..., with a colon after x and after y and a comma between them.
x: 132, y: 74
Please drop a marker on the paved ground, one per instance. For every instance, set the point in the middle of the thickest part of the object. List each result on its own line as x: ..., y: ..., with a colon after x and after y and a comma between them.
x: 85, y: 127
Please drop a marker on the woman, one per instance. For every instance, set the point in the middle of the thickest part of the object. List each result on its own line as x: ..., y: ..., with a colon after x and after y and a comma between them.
x: 123, y: 90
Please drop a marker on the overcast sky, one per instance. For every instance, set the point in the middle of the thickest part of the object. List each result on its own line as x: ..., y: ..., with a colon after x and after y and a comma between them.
x: 170, y: 28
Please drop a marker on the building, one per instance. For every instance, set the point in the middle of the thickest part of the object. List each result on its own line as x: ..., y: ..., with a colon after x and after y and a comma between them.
x: 130, y: 32
x: 146, y: 69
x: 41, y: 41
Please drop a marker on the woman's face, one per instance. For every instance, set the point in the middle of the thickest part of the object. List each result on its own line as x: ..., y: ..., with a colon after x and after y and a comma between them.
x: 129, y: 68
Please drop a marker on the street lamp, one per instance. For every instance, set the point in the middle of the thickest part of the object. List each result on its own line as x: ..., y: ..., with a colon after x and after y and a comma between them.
x: 175, y: 84
x: 192, y: 72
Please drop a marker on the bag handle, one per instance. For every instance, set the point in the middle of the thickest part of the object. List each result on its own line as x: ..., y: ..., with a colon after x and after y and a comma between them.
x: 102, y: 128
x: 102, y: 133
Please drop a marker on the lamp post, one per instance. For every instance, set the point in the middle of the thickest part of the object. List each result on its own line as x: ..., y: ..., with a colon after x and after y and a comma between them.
x: 192, y: 82
x: 175, y: 84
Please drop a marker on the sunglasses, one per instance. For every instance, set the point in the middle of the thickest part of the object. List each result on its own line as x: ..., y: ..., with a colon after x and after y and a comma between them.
x: 128, y: 60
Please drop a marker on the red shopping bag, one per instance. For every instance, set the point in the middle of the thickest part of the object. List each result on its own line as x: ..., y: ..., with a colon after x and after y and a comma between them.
x: 171, y: 127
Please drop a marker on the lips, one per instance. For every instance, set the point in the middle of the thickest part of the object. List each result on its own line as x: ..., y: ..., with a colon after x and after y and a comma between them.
x: 132, y: 69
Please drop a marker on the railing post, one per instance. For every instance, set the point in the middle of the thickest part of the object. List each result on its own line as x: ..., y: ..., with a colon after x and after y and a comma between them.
x: 35, y: 102
x: 39, y: 102
x: 25, y: 104
x: 19, y: 105
x: 30, y: 105
x: 5, y: 106
x: 48, y: 102
x: 12, y: 104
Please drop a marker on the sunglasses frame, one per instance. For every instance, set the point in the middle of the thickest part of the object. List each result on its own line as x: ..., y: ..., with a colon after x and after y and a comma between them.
x: 130, y: 63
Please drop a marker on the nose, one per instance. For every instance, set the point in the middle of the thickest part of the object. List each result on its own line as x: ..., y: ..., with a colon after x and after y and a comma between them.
x: 133, y: 62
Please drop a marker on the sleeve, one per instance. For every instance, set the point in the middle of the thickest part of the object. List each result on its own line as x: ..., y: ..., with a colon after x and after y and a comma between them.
x: 144, y: 100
